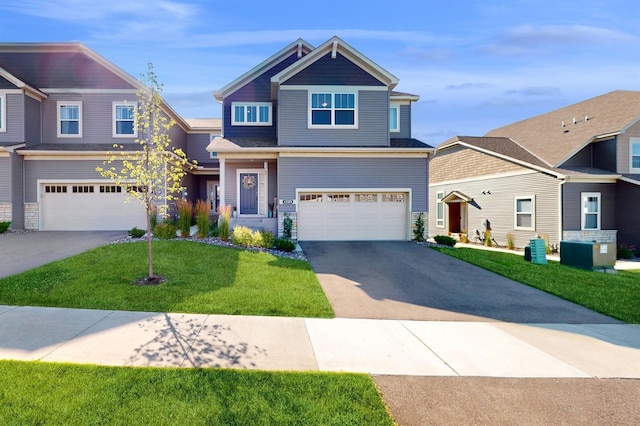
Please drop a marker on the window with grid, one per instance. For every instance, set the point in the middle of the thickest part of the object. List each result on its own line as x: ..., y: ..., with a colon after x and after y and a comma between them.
x: 251, y: 114
x: 124, y: 124
x: 333, y: 110
x: 311, y: 198
x: 69, y: 119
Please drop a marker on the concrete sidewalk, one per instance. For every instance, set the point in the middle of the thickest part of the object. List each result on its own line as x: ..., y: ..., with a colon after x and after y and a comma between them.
x: 377, y: 347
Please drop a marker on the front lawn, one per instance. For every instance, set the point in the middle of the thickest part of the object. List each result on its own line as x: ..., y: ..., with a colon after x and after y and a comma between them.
x: 201, y: 278
x: 617, y: 296
x: 41, y: 393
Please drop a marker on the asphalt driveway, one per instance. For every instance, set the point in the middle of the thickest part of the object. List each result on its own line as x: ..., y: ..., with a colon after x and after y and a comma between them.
x: 23, y: 251
x: 403, y: 280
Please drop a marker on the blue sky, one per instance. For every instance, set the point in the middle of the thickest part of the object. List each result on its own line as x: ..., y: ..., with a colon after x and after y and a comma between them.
x: 476, y: 65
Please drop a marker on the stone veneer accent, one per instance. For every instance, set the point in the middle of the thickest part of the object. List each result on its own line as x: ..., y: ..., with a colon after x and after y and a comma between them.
x: 5, y: 212
x: 31, y: 216
x: 294, y: 228
x: 604, y: 236
x: 414, y: 217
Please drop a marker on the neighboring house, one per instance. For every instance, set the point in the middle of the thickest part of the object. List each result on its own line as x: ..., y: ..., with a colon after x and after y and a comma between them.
x: 62, y: 107
x: 319, y: 135
x: 570, y: 174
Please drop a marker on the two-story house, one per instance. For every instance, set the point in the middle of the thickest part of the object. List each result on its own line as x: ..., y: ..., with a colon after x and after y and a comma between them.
x: 62, y: 108
x: 320, y: 136
x: 570, y: 174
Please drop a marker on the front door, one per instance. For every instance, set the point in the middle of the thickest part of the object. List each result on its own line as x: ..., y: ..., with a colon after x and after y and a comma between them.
x: 248, y: 193
x: 454, y: 217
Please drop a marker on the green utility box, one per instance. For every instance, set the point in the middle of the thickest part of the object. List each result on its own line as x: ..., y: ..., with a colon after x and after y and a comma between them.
x: 538, y: 251
x: 589, y: 255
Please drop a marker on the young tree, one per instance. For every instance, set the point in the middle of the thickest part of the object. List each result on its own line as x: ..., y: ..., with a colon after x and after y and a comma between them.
x: 152, y: 173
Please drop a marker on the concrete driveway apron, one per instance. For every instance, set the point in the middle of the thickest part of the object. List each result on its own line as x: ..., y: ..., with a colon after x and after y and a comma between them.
x: 23, y: 251
x: 404, y: 280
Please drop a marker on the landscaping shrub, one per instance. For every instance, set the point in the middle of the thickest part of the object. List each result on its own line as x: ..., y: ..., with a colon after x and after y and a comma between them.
x: 284, y: 244
x: 225, y: 219
x: 487, y: 238
x: 418, y: 231
x: 185, y: 212
x: 214, y: 231
x: 165, y: 231
x: 511, y: 241
x: 241, y: 236
x: 625, y: 251
x: 287, y: 225
x: 136, y: 233
x: 202, y: 208
x: 264, y: 239
x: 4, y: 226
x: 445, y: 240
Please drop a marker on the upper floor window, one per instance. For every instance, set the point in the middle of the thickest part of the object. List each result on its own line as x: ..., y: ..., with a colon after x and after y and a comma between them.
x: 3, y: 115
x: 333, y: 110
x: 394, y: 118
x: 124, y: 123
x: 634, y: 155
x: 590, y: 212
x: 525, y: 213
x: 70, y: 119
x: 251, y: 114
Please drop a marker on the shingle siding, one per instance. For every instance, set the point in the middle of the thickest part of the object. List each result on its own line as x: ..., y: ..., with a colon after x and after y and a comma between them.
x: 499, y: 206
x: 572, y: 201
x: 361, y: 173
x: 373, y: 118
x: 623, y: 147
x: 463, y: 163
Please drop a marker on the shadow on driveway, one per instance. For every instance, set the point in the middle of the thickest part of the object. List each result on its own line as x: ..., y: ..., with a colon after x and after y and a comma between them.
x: 404, y: 280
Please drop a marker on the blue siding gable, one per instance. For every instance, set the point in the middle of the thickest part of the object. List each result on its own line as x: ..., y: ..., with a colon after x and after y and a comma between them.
x: 334, y: 72
x: 6, y: 84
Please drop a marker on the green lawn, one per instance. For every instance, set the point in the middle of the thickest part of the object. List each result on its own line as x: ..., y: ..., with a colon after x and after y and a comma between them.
x: 42, y: 393
x: 202, y: 278
x: 615, y: 295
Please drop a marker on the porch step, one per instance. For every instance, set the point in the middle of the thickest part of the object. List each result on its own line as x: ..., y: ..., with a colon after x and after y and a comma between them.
x: 256, y: 223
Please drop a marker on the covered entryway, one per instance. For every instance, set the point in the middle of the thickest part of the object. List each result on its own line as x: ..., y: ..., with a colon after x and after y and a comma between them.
x: 88, y: 207
x: 457, y: 203
x: 352, y: 216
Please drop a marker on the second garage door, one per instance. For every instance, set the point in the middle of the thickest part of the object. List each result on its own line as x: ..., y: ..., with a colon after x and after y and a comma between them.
x: 88, y: 207
x: 353, y: 216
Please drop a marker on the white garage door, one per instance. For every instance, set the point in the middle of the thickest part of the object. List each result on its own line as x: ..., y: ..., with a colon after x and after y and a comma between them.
x: 363, y: 216
x: 88, y: 207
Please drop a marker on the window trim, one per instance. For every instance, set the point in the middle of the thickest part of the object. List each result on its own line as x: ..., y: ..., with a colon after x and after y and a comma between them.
x: 3, y: 112
x: 583, y: 212
x: 333, y: 91
x: 61, y: 104
x: 251, y: 104
x: 532, y: 198
x: 632, y: 142
x: 397, y: 108
x: 439, y: 220
x: 133, y: 105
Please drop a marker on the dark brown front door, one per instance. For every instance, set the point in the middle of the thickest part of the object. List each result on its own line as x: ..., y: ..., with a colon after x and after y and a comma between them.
x: 454, y: 217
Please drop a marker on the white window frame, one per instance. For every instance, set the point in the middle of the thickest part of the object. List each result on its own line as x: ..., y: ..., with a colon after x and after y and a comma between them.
x: 632, y: 142
x: 531, y: 198
x: 333, y: 92
x: 397, y: 109
x: 246, y: 121
x: 583, y: 210
x: 439, y: 202
x: 3, y: 113
x: 114, y: 120
x: 61, y: 104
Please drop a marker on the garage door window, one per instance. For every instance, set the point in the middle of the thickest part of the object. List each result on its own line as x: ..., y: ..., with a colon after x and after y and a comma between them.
x: 338, y: 198
x: 311, y: 198
x: 83, y: 189
x: 51, y: 189
x: 393, y: 198
x: 366, y: 198
x: 110, y: 189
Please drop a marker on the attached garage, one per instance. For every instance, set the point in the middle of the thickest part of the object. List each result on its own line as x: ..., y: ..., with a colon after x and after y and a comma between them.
x: 88, y: 207
x: 353, y: 216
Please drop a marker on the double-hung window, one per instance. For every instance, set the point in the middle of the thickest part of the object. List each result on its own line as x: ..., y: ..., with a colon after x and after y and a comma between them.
x: 634, y: 155
x: 333, y: 109
x: 251, y: 114
x: 439, y: 209
x: 525, y: 217
x: 124, y: 120
x: 69, y: 119
x: 590, y: 211
x: 394, y: 118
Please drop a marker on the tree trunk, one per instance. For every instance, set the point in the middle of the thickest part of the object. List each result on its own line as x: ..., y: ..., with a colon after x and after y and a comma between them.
x: 149, y: 251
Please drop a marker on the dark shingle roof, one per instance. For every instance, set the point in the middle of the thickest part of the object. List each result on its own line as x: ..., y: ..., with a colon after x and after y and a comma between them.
x: 239, y: 143
x: 499, y: 145
x: 61, y: 147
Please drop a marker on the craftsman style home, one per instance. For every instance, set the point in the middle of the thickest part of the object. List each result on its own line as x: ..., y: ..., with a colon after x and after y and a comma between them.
x: 320, y: 136
x: 570, y: 174
x: 62, y: 107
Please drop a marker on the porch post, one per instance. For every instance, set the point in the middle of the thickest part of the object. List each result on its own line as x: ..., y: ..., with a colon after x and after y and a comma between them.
x: 223, y: 201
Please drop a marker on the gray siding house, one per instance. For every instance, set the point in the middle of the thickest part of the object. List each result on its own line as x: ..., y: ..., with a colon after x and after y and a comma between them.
x: 320, y: 136
x: 570, y: 174
x: 62, y: 107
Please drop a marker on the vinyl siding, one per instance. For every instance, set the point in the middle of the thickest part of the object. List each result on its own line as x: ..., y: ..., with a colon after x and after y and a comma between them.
x: 17, y: 196
x: 498, y: 207
x: 405, y: 123
x: 338, y: 71
x: 197, y: 148
x: 230, y: 183
x: 340, y: 172
x: 6, y: 84
x: 623, y: 147
x: 5, y: 179
x: 15, y: 119
x: 373, y: 118
x: 601, y: 155
x: 628, y: 225
x: 571, y: 204
x: 464, y: 163
x: 32, y: 119
x: 582, y: 158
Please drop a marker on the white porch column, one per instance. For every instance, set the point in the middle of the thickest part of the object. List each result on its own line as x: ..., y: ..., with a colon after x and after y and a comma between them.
x: 223, y: 201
